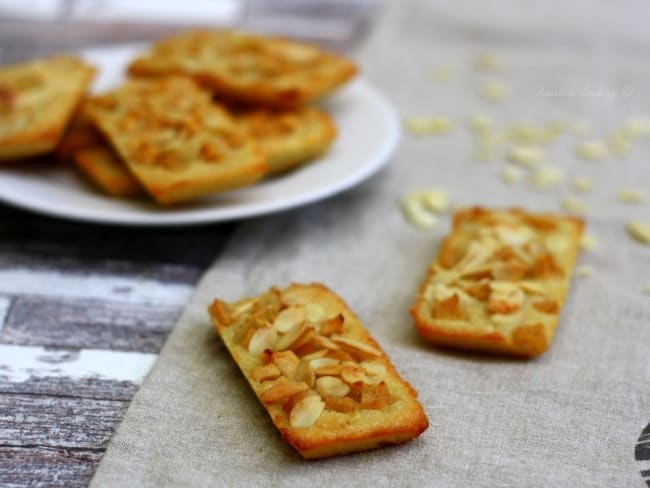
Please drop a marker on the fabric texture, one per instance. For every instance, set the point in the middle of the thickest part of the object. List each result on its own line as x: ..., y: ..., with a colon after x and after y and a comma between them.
x: 571, y: 417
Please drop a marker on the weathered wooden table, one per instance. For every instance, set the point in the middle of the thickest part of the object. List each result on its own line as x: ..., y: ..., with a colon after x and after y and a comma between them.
x: 84, y: 309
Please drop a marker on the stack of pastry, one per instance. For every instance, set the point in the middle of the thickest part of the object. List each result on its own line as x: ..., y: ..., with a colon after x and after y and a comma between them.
x: 202, y: 112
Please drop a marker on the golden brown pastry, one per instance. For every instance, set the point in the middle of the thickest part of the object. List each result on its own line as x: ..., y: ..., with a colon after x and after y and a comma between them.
x: 499, y: 281
x: 327, y: 385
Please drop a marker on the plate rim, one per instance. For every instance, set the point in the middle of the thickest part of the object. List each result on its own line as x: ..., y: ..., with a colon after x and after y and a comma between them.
x: 385, y: 151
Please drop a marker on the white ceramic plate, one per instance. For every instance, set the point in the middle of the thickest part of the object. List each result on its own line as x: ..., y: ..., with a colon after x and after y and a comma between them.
x: 368, y: 136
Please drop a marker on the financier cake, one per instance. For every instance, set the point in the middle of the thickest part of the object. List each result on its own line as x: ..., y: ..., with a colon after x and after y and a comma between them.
x: 499, y: 282
x: 175, y: 141
x: 326, y: 384
x: 242, y: 67
x: 37, y: 101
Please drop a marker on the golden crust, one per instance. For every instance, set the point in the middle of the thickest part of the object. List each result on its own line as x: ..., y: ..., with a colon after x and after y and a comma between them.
x: 37, y: 100
x: 324, y: 358
x: 178, y: 144
x: 247, y: 68
x: 289, y: 138
x: 104, y: 168
x: 499, y: 281
x: 80, y: 134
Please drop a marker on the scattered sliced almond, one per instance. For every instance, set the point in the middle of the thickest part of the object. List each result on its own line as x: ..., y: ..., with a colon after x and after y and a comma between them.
x: 640, y: 231
x: 525, y: 155
x: 282, y: 390
x: 574, y: 206
x: 306, y: 411
x: 421, y: 126
x: 263, y: 338
x: 584, y: 271
x: 636, y: 127
x: 289, y: 318
x: 331, y: 386
x: 592, y: 150
x: 480, y: 122
x: 632, y: 195
x: 356, y: 347
x: 619, y: 144
x: 582, y: 184
x: 526, y: 133
x: 588, y: 242
x: 266, y: 372
x: 435, y: 199
x: 547, y: 177
x: 488, y: 62
x: 416, y: 214
x: 510, y: 174
x: 493, y: 90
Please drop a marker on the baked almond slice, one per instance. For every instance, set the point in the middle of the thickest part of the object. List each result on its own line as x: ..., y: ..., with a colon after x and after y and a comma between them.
x: 178, y: 144
x: 289, y: 138
x: 248, y: 68
x: 361, y: 403
x: 37, y: 101
x: 499, y: 282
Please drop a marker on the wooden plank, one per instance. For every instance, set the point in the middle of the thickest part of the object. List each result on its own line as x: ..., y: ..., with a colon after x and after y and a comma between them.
x: 5, y: 303
x: 65, y: 245
x: 97, y: 388
x: 20, y: 363
x: 94, y: 324
x: 47, y: 467
x: 77, y: 423
x: 24, y: 281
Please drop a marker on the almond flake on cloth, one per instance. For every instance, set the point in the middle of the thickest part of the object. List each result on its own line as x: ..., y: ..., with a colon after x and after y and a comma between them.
x: 422, y: 126
x: 547, y: 177
x: 574, y: 206
x: 525, y: 155
x: 493, y: 91
x: 640, y: 231
x: 592, y: 150
x: 582, y: 184
x: 631, y: 195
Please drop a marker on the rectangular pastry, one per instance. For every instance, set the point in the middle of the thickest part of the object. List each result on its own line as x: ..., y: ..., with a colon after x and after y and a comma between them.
x: 37, y: 100
x: 289, y: 138
x: 327, y: 385
x: 175, y: 141
x: 499, y: 282
x: 247, y: 68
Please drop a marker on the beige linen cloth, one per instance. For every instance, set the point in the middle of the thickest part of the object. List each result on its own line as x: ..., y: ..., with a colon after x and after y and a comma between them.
x: 569, y: 418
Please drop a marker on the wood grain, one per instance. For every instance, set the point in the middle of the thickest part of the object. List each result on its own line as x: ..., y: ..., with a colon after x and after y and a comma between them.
x: 41, y: 321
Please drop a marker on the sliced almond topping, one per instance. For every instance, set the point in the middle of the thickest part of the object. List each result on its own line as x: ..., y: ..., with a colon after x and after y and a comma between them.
x: 320, y: 362
x: 221, y: 310
x: 375, y: 396
x: 356, y: 347
x: 344, y: 405
x: 330, y: 386
x: 333, y: 325
x: 281, y: 391
x: 323, y: 342
x: 320, y: 353
x: 289, y: 318
x: 532, y: 287
x: 547, y: 306
x: 246, y: 340
x: 266, y: 372
x: 305, y: 373
x: 287, y: 361
x: 374, y: 369
x: 296, y: 337
x: 353, y: 373
x: 506, y: 297
x: 330, y: 370
x: 448, y: 309
x: 314, y: 312
x: 306, y: 412
x: 513, y: 235
x: 263, y: 338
